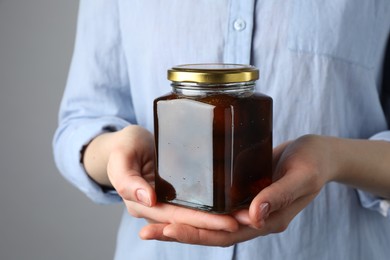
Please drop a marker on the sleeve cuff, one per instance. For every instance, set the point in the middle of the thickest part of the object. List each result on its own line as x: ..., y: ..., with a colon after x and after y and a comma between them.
x: 369, y: 200
x: 67, y: 147
x: 375, y: 203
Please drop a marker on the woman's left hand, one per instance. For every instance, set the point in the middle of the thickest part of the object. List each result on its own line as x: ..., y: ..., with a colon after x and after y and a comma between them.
x: 301, y: 168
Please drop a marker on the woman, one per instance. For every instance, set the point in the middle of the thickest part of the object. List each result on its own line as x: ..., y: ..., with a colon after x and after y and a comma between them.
x: 321, y: 62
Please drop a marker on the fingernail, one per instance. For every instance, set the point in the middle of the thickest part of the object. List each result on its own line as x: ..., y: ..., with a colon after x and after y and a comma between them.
x: 264, y: 211
x: 142, y: 197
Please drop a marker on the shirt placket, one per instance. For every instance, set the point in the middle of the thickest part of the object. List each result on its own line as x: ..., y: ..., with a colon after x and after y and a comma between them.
x: 238, y: 50
x: 240, y: 30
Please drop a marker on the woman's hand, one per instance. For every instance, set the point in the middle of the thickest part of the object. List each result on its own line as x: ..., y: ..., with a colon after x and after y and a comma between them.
x: 125, y: 161
x: 301, y: 168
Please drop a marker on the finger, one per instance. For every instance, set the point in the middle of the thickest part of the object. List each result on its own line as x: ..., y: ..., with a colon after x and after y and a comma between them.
x: 278, y: 195
x: 242, y: 216
x: 278, y: 221
x: 125, y: 173
x: 154, y: 231
x: 166, y: 213
x: 191, y: 235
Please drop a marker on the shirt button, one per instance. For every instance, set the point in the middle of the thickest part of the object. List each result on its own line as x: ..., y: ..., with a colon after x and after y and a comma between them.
x: 239, y: 25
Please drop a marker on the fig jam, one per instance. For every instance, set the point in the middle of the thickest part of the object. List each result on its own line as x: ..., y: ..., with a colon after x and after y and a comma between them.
x: 213, y: 140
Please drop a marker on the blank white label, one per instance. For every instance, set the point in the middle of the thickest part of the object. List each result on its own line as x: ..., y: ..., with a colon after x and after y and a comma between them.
x: 185, y: 144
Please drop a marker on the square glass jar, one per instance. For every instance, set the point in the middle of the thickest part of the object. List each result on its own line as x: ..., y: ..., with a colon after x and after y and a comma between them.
x: 213, y: 136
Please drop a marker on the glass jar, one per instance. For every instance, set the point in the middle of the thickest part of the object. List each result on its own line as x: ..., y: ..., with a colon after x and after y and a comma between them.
x: 213, y: 136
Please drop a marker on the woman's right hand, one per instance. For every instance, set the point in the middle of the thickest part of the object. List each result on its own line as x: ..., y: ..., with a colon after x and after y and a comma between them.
x: 125, y: 160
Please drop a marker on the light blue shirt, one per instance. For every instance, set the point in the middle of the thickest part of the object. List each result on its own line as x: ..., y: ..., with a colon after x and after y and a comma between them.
x: 319, y: 60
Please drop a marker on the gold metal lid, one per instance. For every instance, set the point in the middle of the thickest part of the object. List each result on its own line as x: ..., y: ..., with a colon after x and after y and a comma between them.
x: 213, y: 73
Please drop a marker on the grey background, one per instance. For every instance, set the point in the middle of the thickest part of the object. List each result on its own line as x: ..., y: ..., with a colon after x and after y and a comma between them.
x: 41, y: 215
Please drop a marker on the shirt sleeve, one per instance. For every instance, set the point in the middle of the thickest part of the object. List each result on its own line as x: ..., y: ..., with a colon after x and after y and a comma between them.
x: 97, y: 96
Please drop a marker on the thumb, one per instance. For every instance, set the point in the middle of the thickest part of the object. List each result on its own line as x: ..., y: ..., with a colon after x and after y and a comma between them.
x: 277, y: 196
x: 130, y: 178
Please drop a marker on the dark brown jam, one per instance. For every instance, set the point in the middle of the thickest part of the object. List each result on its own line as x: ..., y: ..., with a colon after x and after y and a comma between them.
x: 241, y: 155
x: 213, y: 138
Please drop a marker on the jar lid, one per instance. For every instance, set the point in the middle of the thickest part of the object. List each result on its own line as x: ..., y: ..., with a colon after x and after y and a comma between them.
x: 213, y: 73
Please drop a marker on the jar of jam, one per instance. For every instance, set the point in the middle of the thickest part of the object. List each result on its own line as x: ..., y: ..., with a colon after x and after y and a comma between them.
x: 213, y: 137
